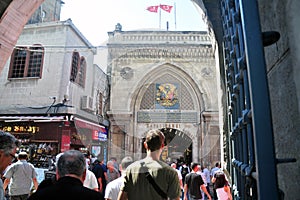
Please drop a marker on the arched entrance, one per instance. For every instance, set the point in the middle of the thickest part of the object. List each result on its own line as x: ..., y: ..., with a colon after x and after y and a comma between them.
x: 178, y: 146
x: 166, y: 88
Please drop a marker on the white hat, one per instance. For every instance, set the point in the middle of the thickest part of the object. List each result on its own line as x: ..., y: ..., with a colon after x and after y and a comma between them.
x: 22, y: 153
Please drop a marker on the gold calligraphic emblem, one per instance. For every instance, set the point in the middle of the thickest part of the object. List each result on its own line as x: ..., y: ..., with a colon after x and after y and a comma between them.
x: 166, y: 95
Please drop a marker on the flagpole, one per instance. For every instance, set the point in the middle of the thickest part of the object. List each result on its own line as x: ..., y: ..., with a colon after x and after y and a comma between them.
x: 159, y: 17
x: 175, y: 15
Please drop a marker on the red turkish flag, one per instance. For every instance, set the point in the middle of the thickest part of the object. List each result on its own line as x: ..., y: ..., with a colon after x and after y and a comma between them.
x: 166, y: 8
x: 153, y: 8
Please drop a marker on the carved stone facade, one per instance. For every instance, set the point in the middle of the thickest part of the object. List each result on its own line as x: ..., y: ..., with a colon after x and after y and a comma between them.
x: 163, y: 80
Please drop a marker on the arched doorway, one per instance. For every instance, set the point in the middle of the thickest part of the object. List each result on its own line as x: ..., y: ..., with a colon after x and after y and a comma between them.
x: 178, y: 146
x: 163, y: 91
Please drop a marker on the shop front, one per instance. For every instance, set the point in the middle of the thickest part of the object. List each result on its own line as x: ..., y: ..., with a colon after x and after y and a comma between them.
x: 93, y: 137
x: 39, y: 140
x: 44, y: 137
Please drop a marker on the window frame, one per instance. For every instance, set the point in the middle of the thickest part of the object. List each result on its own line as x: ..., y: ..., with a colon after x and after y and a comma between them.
x: 74, y: 66
x: 27, y: 65
x: 82, y: 72
x: 78, y: 64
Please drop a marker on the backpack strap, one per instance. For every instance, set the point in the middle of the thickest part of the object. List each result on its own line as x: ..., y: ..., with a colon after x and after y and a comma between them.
x: 152, y: 182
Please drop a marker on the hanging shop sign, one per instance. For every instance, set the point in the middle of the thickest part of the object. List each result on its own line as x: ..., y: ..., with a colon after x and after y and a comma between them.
x: 21, y: 129
x: 65, y: 141
x: 97, y: 131
x: 100, y: 134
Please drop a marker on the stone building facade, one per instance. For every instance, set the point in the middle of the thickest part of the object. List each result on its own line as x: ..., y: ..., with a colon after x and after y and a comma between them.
x: 163, y: 80
x: 51, y: 84
x: 282, y: 62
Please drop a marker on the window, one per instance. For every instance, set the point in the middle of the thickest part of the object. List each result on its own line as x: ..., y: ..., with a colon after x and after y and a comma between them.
x: 75, y: 61
x: 81, y: 75
x: 100, y: 104
x: 78, y: 69
x: 27, y: 62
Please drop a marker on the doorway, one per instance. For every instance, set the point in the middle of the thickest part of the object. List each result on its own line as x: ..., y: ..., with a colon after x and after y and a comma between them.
x: 178, y: 146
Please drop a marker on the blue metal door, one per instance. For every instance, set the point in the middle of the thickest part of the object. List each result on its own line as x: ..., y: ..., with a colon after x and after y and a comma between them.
x: 250, y: 144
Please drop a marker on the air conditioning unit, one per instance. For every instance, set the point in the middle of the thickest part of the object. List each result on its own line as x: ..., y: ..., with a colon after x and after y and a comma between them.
x: 87, y: 103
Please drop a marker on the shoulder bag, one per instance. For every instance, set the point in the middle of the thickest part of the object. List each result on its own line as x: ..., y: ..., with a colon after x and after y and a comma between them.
x: 152, y: 182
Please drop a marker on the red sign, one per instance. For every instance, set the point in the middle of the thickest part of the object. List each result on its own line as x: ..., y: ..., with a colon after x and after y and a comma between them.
x: 65, y: 141
x: 100, y: 134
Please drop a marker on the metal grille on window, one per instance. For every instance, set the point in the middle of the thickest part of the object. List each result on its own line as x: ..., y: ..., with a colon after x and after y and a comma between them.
x: 19, y: 62
x: 27, y: 62
x: 35, y: 61
x: 148, y: 98
x: 81, y: 75
x: 186, y: 99
x: 75, y: 63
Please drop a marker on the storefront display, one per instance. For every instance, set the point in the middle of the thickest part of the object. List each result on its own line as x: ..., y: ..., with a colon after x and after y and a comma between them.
x: 44, y: 139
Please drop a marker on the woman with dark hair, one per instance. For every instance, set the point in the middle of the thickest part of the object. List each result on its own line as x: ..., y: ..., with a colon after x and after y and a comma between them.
x: 221, y: 186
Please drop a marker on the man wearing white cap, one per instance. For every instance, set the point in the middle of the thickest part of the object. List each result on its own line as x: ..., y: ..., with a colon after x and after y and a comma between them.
x: 22, y: 175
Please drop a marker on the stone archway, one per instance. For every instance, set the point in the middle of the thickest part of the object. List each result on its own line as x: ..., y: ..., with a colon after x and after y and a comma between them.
x: 178, y: 146
x: 141, y: 77
x: 150, y: 112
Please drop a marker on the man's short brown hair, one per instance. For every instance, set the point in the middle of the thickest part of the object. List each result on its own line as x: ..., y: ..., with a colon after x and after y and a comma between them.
x: 154, y: 139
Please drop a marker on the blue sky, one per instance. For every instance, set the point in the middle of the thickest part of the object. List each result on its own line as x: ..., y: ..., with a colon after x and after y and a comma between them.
x: 94, y: 18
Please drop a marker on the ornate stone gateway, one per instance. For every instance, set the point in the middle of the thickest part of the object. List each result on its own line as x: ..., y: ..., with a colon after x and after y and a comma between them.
x: 163, y: 80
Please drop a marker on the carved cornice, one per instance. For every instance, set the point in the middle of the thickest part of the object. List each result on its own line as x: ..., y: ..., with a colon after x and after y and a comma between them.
x: 159, y: 37
x: 170, y: 52
x: 192, y: 45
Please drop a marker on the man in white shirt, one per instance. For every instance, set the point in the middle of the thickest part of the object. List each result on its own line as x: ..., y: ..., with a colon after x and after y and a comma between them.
x: 90, y: 180
x: 174, y: 166
x: 20, y: 175
x: 113, y: 187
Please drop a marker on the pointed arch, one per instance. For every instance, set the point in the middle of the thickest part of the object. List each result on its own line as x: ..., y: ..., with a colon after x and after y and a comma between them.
x: 172, y: 71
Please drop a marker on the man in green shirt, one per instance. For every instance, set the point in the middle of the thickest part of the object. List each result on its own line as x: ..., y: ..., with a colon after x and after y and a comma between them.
x: 136, y: 185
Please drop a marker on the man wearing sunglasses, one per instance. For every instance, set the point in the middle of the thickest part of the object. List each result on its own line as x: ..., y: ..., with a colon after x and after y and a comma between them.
x: 8, y: 146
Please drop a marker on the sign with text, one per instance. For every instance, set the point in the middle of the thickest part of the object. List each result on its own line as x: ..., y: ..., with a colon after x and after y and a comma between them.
x: 100, y: 134
x: 21, y: 129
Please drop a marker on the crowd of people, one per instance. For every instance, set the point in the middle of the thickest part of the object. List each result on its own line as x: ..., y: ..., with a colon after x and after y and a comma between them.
x: 78, y: 177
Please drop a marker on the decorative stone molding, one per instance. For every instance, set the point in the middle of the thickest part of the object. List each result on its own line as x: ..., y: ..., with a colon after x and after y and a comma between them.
x: 166, y: 117
x: 157, y: 52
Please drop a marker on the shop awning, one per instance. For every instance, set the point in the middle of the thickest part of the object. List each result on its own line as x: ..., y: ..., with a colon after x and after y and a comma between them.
x: 81, y: 123
x: 32, y: 118
x: 98, y: 132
